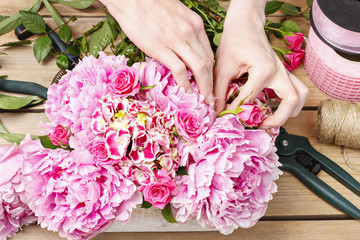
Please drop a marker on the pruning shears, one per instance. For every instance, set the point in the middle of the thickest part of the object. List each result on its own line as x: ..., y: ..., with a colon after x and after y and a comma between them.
x: 34, y: 88
x: 300, y: 159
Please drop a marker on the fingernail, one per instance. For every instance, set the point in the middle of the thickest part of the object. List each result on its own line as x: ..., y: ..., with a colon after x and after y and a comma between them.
x: 211, y: 100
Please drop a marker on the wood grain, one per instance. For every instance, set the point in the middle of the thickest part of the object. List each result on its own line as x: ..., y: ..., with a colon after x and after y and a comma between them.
x: 264, y: 230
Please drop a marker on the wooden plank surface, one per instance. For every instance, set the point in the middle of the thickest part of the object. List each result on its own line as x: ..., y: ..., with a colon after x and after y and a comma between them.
x: 294, y: 213
x: 264, y: 230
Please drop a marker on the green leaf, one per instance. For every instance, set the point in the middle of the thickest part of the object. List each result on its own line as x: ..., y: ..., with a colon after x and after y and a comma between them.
x: 78, y: 4
x: 100, y: 39
x: 82, y: 43
x: 272, y: 6
x: 32, y: 22
x: 54, y: 14
x: 13, y: 137
x: 4, y: 76
x: 65, y: 33
x: 12, y: 22
x: 2, y: 53
x: 62, y: 61
x: 42, y: 47
x: 168, y: 214
x: 291, y: 26
x: 181, y: 171
x: 146, y: 204
x: 307, y: 14
x: 309, y: 2
x: 2, y: 18
x: 3, y: 128
x: 114, y: 25
x: 216, y: 39
x: 74, y: 49
x: 11, y: 102
x: 46, y: 142
x: 18, y: 43
x: 290, y: 9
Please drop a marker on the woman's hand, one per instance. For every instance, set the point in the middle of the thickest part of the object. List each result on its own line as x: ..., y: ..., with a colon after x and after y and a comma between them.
x: 244, y: 48
x: 168, y: 31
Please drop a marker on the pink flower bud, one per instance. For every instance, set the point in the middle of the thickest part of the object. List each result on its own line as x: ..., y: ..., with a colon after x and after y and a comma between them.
x: 252, y: 115
x: 294, y: 60
x: 294, y: 41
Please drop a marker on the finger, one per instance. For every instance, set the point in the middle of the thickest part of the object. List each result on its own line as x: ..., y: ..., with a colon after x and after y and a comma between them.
x: 176, y: 66
x: 302, y: 92
x: 290, y: 101
x: 204, y: 40
x: 201, y: 68
x: 251, y: 89
x: 223, y: 74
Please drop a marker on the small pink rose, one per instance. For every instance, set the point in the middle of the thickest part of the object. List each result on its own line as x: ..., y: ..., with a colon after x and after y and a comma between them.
x: 124, y: 81
x: 159, y: 193
x: 99, y: 150
x: 60, y: 135
x: 252, y: 115
x: 294, y: 41
x: 188, y: 125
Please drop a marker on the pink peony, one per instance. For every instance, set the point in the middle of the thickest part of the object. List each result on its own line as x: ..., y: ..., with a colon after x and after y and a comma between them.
x: 124, y: 81
x: 72, y: 195
x: 231, y: 178
x: 294, y: 41
x: 252, y: 115
x: 14, y: 212
x: 159, y: 192
x: 60, y: 135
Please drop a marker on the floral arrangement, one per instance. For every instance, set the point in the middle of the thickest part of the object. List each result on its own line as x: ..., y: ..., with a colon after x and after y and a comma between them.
x: 122, y: 137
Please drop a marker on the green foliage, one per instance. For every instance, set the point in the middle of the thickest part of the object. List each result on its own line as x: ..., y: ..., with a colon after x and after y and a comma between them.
x: 146, y: 204
x: 10, y: 23
x: 18, y: 43
x: 65, y: 33
x: 54, y: 14
x: 290, y: 9
x: 78, y: 4
x: 32, y: 22
x: 62, y: 61
x: 290, y: 26
x: 42, y: 47
x: 272, y: 7
x: 168, y: 214
x: 11, y: 102
x: 181, y: 171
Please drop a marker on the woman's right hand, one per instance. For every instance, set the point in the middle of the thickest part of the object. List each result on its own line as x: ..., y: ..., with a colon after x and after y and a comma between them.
x: 168, y: 31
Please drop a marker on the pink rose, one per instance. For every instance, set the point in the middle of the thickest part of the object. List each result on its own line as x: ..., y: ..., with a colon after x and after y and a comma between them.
x: 159, y: 192
x: 252, y: 115
x: 188, y: 125
x: 99, y: 151
x: 294, y: 41
x: 293, y: 60
x: 270, y: 93
x: 60, y: 135
x: 124, y: 81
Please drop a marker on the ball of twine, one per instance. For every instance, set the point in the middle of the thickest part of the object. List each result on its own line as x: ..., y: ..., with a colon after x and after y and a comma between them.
x: 338, y: 122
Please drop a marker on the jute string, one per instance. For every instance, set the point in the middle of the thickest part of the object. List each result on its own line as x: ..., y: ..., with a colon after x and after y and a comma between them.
x: 338, y: 122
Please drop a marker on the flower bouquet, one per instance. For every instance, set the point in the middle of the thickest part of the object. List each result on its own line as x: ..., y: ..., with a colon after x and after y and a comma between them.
x: 122, y: 137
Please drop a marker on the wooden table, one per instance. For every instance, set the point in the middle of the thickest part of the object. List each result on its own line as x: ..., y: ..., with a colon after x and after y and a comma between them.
x: 294, y: 213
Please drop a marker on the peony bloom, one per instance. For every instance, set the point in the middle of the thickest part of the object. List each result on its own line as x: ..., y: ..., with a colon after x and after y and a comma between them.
x: 294, y: 41
x: 14, y: 212
x: 60, y: 135
x: 251, y: 115
x: 231, y: 178
x: 72, y: 195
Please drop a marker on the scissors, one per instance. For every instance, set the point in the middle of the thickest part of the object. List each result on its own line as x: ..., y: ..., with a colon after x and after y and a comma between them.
x: 34, y: 88
x: 300, y: 159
